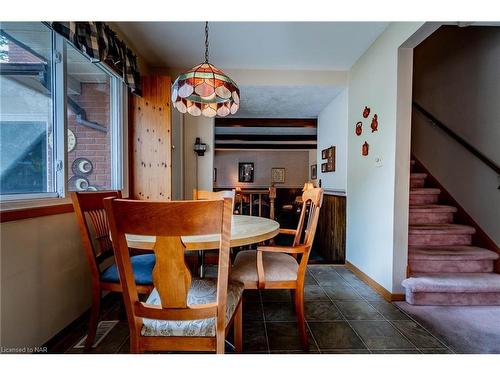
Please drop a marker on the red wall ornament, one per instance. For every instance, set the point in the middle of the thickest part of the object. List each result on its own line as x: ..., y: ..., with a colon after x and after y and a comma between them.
x: 364, y: 149
x: 359, y: 128
x: 374, y: 124
x: 366, y: 112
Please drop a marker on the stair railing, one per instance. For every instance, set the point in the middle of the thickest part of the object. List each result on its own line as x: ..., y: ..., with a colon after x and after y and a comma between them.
x: 474, y: 151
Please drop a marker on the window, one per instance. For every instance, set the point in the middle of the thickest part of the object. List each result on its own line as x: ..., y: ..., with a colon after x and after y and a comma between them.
x: 48, y: 89
x: 26, y: 109
x: 89, y: 124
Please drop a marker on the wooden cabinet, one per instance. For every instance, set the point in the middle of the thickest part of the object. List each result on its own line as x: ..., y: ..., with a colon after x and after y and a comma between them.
x: 329, y: 241
x: 150, y: 140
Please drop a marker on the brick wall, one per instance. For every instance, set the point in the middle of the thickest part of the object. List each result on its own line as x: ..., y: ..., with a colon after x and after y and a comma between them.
x: 92, y: 144
x: 17, y: 54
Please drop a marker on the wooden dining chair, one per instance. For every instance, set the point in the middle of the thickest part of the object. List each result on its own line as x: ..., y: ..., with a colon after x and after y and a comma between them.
x: 182, y: 313
x: 278, y: 267
x: 94, y: 231
x: 209, y: 195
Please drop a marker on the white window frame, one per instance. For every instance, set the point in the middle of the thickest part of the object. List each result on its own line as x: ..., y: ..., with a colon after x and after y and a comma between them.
x: 118, y: 128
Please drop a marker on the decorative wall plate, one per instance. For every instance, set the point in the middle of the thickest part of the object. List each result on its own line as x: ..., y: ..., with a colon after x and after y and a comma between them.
x: 82, y: 167
x: 78, y: 183
x: 71, y: 140
x: 366, y: 112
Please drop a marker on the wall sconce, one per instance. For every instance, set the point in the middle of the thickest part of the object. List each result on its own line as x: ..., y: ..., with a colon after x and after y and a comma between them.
x: 199, y: 147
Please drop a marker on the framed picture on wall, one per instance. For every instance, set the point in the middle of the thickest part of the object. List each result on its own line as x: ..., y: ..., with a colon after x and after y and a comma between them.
x: 245, y: 172
x: 314, y: 172
x: 323, y: 167
x: 278, y: 175
x: 331, y: 160
x: 324, y: 154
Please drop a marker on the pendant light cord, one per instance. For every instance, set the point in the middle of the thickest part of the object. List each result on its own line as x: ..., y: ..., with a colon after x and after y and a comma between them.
x: 206, y: 42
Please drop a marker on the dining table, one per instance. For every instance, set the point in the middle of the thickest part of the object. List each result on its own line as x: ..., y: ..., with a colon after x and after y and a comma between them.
x: 245, y: 230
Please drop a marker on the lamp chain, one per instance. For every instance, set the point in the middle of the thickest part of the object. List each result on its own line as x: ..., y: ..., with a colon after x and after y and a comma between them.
x: 206, y: 42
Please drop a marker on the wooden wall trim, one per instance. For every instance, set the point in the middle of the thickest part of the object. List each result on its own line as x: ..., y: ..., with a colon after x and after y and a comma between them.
x: 32, y: 212
x: 388, y: 296
x: 266, y: 122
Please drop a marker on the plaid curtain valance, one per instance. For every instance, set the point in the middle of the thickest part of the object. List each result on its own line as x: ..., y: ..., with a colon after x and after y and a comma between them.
x: 99, y: 43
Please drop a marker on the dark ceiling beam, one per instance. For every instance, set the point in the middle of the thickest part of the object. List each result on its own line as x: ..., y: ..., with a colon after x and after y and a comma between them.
x: 266, y: 146
x: 265, y: 137
x: 266, y: 122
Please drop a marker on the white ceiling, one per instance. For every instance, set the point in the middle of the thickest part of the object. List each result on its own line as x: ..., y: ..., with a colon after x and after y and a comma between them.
x: 243, y: 46
x: 284, y: 101
x: 253, y: 45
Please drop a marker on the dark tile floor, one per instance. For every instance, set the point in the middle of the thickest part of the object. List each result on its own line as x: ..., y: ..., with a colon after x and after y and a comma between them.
x: 344, y: 315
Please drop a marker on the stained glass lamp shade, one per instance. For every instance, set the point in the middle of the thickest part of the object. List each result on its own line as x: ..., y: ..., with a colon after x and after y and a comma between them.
x: 205, y: 90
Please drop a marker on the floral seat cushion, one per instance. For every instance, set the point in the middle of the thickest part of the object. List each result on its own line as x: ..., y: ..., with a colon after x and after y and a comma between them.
x: 202, y: 291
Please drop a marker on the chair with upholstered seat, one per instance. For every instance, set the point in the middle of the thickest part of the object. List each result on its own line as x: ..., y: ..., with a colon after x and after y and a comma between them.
x: 209, y: 195
x: 94, y: 231
x: 182, y: 313
x: 277, y: 267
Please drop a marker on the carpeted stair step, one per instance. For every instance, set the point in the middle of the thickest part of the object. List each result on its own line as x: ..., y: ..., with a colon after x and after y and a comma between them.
x: 459, y: 289
x: 424, y: 196
x: 431, y: 214
x: 440, y: 235
x: 436, y: 259
x: 417, y: 180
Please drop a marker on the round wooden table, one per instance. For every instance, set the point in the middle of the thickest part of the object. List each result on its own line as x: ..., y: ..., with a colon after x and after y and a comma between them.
x: 245, y: 230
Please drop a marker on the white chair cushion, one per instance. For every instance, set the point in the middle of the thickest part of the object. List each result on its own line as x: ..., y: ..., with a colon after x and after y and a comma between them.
x: 277, y: 267
x: 202, y: 291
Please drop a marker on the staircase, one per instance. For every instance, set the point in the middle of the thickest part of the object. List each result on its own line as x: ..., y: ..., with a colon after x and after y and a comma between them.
x: 445, y: 268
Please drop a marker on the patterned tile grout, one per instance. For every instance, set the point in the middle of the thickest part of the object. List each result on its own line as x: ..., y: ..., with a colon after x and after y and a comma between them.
x: 264, y: 322
x: 395, y: 327
x: 392, y: 325
x: 111, y: 310
x: 425, y: 329
x: 342, y: 314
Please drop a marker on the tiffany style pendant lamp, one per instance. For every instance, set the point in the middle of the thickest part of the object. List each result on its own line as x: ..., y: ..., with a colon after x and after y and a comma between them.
x: 205, y: 90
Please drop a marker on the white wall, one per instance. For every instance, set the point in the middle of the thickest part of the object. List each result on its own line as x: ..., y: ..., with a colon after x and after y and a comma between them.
x: 370, y: 189
x: 312, y: 160
x: 296, y: 164
x: 45, y: 278
x: 332, y: 131
x: 198, y: 176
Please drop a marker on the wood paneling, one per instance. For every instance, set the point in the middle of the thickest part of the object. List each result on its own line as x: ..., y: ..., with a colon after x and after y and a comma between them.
x: 331, y: 233
x: 266, y: 122
x: 151, y: 140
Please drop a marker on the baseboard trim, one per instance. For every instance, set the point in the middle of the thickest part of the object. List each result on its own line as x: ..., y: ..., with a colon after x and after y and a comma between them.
x: 388, y: 296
